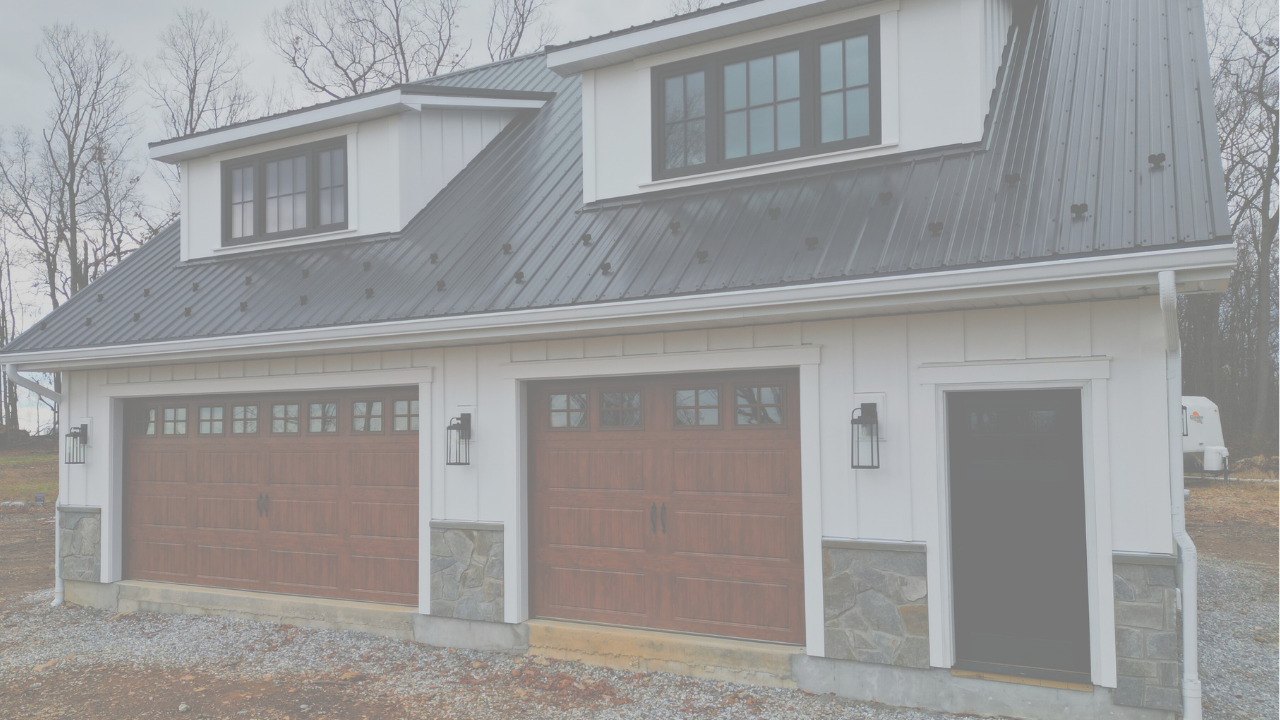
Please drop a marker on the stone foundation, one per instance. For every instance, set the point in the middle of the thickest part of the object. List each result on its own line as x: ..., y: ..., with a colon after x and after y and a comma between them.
x: 467, y: 571
x: 80, y: 543
x: 876, y: 602
x: 1148, y: 646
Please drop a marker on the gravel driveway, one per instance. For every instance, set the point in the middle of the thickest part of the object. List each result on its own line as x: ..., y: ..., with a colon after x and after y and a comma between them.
x: 1238, y: 650
x: 56, y: 662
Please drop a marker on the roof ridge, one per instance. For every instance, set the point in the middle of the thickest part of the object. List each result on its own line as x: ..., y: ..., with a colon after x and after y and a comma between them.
x: 477, y: 68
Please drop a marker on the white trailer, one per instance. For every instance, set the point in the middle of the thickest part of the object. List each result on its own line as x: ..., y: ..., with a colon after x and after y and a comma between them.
x: 1202, y: 434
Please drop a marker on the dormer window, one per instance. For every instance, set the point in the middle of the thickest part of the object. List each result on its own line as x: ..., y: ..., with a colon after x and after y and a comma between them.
x: 801, y: 95
x: 301, y: 190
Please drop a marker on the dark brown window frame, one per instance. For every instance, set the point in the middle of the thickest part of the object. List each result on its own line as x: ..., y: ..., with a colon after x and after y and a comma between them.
x: 718, y: 407
x: 381, y: 417
x: 322, y: 417
x: 258, y: 163
x: 186, y: 421
x: 713, y: 67
x: 225, y: 420
x: 409, y: 415
x: 601, y: 410
x: 781, y: 405
x: 258, y: 419
x: 300, y: 418
x: 586, y: 410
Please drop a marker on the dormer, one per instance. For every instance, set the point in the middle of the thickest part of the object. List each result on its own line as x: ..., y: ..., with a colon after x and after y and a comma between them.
x: 359, y: 167
x: 762, y: 86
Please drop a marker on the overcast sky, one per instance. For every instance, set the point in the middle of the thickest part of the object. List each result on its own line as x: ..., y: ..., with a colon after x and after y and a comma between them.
x: 134, y: 24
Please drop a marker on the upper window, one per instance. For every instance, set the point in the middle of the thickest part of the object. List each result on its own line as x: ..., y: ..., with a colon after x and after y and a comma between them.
x: 285, y: 193
x: 802, y: 95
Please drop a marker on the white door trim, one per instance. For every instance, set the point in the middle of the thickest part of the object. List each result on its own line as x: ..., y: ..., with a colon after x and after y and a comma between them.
x: 1090, y: 376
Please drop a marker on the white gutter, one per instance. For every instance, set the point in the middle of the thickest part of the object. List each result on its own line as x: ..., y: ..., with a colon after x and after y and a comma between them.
x: 966, y: 288
x: 35, y: 387
x: 1191, y: 708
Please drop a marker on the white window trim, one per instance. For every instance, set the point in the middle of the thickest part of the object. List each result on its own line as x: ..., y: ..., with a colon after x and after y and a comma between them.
x: 1090, y: 376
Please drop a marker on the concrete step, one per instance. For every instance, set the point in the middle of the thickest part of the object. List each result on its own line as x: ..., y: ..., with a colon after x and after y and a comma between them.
x: 621, y: 648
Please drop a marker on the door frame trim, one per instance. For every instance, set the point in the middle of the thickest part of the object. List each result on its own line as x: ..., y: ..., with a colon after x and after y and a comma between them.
x: 512, y: 391
x: 1088, y: 375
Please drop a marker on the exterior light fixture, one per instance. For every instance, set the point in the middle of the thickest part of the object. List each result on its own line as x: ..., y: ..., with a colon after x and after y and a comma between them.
x: 459, y: 440
x: 865, y: 445
x: 76, y: 441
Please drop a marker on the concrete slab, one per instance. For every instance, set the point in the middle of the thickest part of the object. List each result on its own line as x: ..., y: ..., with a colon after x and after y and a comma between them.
x: 740, y: 661
x: 317, y: 613
x: 103, y: 596
x: 938, y: 689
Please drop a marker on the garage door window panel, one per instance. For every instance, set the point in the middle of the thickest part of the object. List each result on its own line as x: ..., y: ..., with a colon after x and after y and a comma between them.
x: 146, y: 422
x: 244, y: 420
x: 569, y: 411
x: 621, y: 410
x: 175, y: 422
x: 211, y: 420
x: 322, y: 418
x: 404, y: 417
x: 758, y: 405
x: 697, y: 407
x: 284, y: 419
x: 366, y: 416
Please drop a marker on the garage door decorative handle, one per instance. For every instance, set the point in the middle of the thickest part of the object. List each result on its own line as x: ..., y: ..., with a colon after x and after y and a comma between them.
x: 266, y: 505
x: 664, y: 518
x: 653, y: 517
x: 261, y: 510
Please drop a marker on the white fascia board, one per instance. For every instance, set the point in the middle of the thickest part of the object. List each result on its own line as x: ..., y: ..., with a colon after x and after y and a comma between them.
x: 927, y: 292
x: 705, y: 27
x: 336, y: 114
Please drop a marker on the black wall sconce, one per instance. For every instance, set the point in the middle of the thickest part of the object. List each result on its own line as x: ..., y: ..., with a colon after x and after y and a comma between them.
x: 459, y: 440
x: 865, y: 445
x: 77, y: 439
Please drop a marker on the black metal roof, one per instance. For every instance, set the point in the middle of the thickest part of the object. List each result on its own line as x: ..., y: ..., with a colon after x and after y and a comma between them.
x: 1087, y: 92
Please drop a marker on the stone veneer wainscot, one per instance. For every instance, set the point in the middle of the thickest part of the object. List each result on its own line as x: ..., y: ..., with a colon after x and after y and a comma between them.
x: 80, y: 543
x: 876, y: 602
x: 467, y: 570
x: 1148, y: 646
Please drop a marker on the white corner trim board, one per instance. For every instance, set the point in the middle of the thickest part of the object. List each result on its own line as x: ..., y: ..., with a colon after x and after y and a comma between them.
x: 845, y: 298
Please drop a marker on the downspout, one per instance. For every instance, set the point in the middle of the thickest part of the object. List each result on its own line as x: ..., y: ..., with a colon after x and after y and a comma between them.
x: 1191, y: 703
x: 59, y: 593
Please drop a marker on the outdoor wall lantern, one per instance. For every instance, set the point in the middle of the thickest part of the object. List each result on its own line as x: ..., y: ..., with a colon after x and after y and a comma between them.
x: 866, y: 437
x: 459, y: 440
x: 77, y: 439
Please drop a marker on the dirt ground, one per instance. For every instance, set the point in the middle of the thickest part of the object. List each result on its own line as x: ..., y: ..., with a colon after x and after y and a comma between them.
x: 1234, y: 521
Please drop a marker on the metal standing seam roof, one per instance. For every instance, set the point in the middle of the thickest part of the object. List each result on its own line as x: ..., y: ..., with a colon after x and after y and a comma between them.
x: 1087, y: 92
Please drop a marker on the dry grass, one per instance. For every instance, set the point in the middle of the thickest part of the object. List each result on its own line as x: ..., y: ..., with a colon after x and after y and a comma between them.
x: 29, y: 470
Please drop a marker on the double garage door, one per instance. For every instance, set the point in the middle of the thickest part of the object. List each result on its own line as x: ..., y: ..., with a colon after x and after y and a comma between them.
x: 669, y: 503
x: 306, y: 494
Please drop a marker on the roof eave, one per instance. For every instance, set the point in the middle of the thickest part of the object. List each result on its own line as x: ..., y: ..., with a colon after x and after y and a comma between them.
x: 1200, y: 268
x: 361, y: 108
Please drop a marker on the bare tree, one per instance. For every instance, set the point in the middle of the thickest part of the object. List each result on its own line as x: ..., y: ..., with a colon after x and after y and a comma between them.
x: 88, y: 124
x: 1246, y: 44
x: 340, y: 48
x: 197, y: 78
x: 680, y: 7
x: 1231, y: 339
x: 31, y: 207
x: 513, y: 22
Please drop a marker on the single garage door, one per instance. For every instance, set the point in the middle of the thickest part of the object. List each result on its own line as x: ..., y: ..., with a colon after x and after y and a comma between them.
x: 669, y: 502
x: 307, y: 494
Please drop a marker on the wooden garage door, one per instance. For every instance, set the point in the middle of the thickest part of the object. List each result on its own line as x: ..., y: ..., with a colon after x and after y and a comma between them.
x: 307, y: 494
x: 669, y: 502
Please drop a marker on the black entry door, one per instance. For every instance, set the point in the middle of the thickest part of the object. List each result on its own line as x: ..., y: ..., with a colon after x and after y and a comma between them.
x: 1018, y: 534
